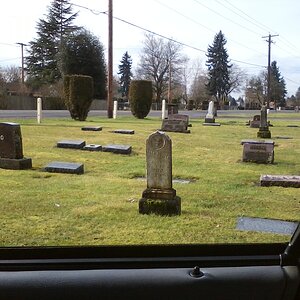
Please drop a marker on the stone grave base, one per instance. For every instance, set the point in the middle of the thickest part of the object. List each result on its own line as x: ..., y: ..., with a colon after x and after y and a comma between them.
x: 124, y: 131
x: 64, y: 167
x: 15, y: 164
x: 209, y: 120
x: 160, y: 207
x: 280, y: 180
x: 264, y: 133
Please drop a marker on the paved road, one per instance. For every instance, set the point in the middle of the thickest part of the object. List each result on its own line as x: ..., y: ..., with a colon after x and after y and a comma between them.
x: 25, y: 114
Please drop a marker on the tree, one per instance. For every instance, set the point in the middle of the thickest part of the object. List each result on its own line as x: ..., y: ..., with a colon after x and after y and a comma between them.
x: 255, y: 92
x: 41, y: 61
x: 82, y: 53
x: 277, y: 86
x: 125, y: 74
x: 158, y: 58
x: 219, y: 84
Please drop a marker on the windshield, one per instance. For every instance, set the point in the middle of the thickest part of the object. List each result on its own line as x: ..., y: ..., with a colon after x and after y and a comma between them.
x: 195, y: 158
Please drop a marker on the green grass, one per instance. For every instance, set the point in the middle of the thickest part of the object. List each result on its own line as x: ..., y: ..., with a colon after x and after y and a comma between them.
x: 101, y: 206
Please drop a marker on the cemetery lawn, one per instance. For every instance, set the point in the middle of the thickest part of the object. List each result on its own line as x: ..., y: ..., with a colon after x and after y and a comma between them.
x: 100, y: 207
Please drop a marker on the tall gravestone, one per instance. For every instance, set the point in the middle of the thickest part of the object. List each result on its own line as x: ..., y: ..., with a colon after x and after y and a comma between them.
x: 159, y: 197
x: 210, y: 118
x: 11, y: 148
x: 264, y: 131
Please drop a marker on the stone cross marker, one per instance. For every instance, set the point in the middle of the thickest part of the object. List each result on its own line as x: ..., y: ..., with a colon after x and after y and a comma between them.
x: 159, y: 197
x: 11, y: 148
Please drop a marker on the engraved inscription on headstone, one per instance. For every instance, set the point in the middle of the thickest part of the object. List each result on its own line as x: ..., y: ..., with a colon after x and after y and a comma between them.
x: 258, y: 152
x: 159, y: 197
x: 11, y: 148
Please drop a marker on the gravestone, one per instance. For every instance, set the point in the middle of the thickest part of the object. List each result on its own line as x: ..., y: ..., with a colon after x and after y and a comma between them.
x: 280, y: 180
x: 180, y: 117
x: 255, y: 123
x: 118, y: 149
x: 210, y: 118
x: 264, y: 131
x: 11, y: 148
x: 176, y: 125
x: 124, y: 131
x: 91, y: 128
x: 258, y: 151
x: 172, y: 108
x: 159, y: 197
x: 76, y: 144
x: 92, y: 147
x: 64, y: 167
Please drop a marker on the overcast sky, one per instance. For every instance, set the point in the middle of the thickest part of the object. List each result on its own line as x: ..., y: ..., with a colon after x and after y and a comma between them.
x: 191, y: 22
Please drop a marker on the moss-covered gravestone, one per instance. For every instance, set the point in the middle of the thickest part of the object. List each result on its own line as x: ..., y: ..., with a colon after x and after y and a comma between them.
x: 159, y: 197
x: 11, y: 148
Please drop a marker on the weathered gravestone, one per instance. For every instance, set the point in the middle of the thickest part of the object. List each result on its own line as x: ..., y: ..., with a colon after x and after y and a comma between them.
x: 264, y: 131
x: 209, y: 117
x: 64, y: 167
x: 180, y: 117
x: 172, y: 108
x: 175, y: 125
x: 11, y: 148
x: 255, y: 123
x: 258, y: 151
x: 159, y: 197
x: 280, y: 180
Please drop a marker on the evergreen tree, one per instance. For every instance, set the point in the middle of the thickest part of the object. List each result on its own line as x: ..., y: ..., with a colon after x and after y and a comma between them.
x: 218, y: 69
x: 41, y: 61
x: 125, y: 74
x: 277, y: 86
x: 82, y: 53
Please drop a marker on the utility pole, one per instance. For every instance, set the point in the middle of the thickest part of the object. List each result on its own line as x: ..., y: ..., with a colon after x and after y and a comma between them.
x: 110, y: 61
x: 269, y: 40
x: 22, y: 61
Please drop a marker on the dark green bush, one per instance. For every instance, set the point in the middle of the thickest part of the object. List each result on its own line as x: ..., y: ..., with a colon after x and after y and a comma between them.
x: 78, y: 95
x: 140, y: 97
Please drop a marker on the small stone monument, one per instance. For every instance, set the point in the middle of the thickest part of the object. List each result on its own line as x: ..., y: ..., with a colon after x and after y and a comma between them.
x: 264, y: 131
x: 258, y: 151
x: 255, y: 123
x: 209, y: 118
x: 159, y: 197
x: 11, y: 149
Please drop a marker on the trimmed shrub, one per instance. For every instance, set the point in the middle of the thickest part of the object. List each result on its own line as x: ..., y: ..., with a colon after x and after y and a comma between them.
x: 78, y: 95
x: 140, y: 97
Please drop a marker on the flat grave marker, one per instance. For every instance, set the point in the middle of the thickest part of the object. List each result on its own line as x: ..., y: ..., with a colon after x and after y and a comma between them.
x: 118, y: 149
x: 266, y: 225
x: 124, y: 131
x: 92, y: 147
x: 280, y: 180
x: 71, y: 144
x: 64, y: 167
x: 91, y: 128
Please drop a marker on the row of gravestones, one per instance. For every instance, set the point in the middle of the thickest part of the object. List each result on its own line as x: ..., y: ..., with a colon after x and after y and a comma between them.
x: 159, y: 196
